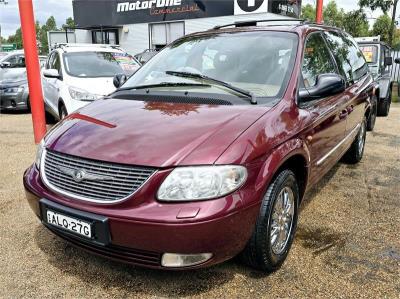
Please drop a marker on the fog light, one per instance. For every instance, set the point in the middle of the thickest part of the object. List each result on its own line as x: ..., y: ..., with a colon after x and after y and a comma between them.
x: 184, y: 260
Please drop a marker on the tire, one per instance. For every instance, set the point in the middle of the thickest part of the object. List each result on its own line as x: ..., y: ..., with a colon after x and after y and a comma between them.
x: 63, y: 111
x: 28, y: 105
x: 384, y: 105
x: 372, y: 116
x: 356, y: 151
x: 261, y: 252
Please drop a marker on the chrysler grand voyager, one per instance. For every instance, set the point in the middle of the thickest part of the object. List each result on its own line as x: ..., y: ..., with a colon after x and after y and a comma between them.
x: 206, y: 152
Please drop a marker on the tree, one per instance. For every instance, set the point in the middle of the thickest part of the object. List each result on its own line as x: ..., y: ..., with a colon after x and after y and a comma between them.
x: 69, y: 24
x: 382, y: 27
x: 51, y: 24
x: 356, y: 23
x: 333, y: 16
x: 308, y: 13
x: 385, y: 6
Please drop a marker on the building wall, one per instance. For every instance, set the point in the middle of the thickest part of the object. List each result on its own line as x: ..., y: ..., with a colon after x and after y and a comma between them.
x: 83, y: 36
x: 134, y: 38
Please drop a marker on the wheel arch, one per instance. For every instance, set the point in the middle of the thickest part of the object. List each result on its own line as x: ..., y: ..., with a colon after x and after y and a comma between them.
x: 292, y: 155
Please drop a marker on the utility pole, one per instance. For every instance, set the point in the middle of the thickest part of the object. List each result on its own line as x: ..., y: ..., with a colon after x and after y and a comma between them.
x: 32, y: 68
x: 319, y: 15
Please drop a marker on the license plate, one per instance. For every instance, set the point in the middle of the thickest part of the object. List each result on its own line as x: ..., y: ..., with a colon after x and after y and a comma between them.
x: 71, y: 224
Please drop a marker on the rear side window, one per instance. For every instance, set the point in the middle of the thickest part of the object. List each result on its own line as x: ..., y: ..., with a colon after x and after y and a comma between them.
x: 350, y: 59
x: 317, y: 60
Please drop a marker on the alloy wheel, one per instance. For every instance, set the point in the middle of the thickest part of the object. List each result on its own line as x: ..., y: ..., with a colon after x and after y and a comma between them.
x: 282, y: 220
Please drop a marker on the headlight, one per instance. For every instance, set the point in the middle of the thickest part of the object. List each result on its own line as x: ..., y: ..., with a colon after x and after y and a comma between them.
x: 11, y: 89
x: 82, y: 95
x: 201, y: 182
x: 21, y: 88
x: 39, y: 153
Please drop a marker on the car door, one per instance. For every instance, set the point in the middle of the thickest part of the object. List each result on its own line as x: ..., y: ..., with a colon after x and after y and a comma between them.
x: 326, y: 132
x: 52, y: 84
x: 354, y: 68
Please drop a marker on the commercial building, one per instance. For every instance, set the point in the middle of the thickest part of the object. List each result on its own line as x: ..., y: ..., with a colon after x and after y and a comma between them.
x: 151, y: 24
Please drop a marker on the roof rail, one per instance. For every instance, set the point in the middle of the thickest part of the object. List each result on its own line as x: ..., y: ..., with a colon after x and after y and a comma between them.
x: 66, y: 45
x: 254, y: 22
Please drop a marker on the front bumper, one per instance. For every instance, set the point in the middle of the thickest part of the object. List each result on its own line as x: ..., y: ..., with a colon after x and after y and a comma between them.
x: 13, y: 101
x: 142, y: 242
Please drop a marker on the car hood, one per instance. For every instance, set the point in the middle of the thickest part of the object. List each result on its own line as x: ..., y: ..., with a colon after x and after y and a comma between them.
x: 101, y: 86
x: 12, y: 76
x: 158, y: 134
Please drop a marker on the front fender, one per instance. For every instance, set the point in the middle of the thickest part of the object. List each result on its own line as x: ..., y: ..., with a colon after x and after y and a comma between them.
x: 278, y: 157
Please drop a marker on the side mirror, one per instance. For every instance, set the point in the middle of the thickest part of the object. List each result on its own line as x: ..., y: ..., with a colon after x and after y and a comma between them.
x: 51, y: 73
x: 388, y: 61
x: 327, y: 85
x: 397, y: 60
x: 5, y: 64
x: 119, y: 79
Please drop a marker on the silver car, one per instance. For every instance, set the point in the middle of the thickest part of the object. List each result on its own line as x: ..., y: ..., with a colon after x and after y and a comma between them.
x: 14, y: 91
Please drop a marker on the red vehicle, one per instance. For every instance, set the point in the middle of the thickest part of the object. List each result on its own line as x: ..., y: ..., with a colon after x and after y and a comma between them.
x: 206, y: 151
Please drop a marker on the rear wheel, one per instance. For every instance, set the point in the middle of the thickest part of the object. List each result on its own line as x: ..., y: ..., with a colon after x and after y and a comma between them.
x: 356, y: 151
x: 273, y: 235
x: 372, y: 116
x: 384, y: 105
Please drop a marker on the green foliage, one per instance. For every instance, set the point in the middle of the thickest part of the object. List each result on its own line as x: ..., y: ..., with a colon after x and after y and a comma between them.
x: 356, y: 23
x: 384, y: 5
x: 69, y: 24
x: 41, y: 34
x: 382, y: 27
x: 332, y: 15
x: 308, y: 13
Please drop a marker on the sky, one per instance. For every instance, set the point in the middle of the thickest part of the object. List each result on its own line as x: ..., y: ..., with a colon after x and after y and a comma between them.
x: 43, y: 9
x: 62, y: 9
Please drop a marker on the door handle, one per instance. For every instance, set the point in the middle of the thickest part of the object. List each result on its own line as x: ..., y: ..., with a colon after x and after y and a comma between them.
x: 350, y: 109
x: 343, y: 114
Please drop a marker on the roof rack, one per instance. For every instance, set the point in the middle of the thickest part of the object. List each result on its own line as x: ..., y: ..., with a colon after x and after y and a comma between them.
x: 254, y: 22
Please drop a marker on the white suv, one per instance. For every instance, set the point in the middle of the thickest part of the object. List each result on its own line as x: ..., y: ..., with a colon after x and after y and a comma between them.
x: 77, y: 74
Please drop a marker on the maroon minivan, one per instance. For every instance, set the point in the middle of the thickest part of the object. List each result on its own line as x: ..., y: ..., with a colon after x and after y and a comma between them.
x: 206, y: 151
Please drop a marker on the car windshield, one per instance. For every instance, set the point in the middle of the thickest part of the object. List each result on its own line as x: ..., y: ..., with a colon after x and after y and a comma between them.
x: 370, y: 53
x: 259, y: 62
x: 99, y: 64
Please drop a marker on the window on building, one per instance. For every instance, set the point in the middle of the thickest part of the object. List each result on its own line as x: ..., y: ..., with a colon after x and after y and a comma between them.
x: 108, y: 36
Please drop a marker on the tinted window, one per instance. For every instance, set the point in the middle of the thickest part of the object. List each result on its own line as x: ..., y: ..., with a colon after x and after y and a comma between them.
x: 350, y: 60
x: 16, y: 61
x: 55, y: 63
x: 317, y: 60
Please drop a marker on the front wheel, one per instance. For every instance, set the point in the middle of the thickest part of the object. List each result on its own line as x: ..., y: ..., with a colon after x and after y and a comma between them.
x: 273, y: 234
x: 356, y: 151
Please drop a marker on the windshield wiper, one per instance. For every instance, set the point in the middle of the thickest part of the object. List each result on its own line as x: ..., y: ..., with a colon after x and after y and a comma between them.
x: 164, y: 84
x: 249, y: 94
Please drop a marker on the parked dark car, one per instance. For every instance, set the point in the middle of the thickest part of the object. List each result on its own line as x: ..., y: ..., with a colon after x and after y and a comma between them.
x: 207, y: 150
x: 379, y: 59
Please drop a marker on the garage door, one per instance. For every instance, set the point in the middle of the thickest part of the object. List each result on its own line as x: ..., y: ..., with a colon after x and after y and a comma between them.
x: 165, y: 33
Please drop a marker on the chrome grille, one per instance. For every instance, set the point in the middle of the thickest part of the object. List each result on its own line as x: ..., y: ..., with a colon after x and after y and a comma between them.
x: 115, y: 181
